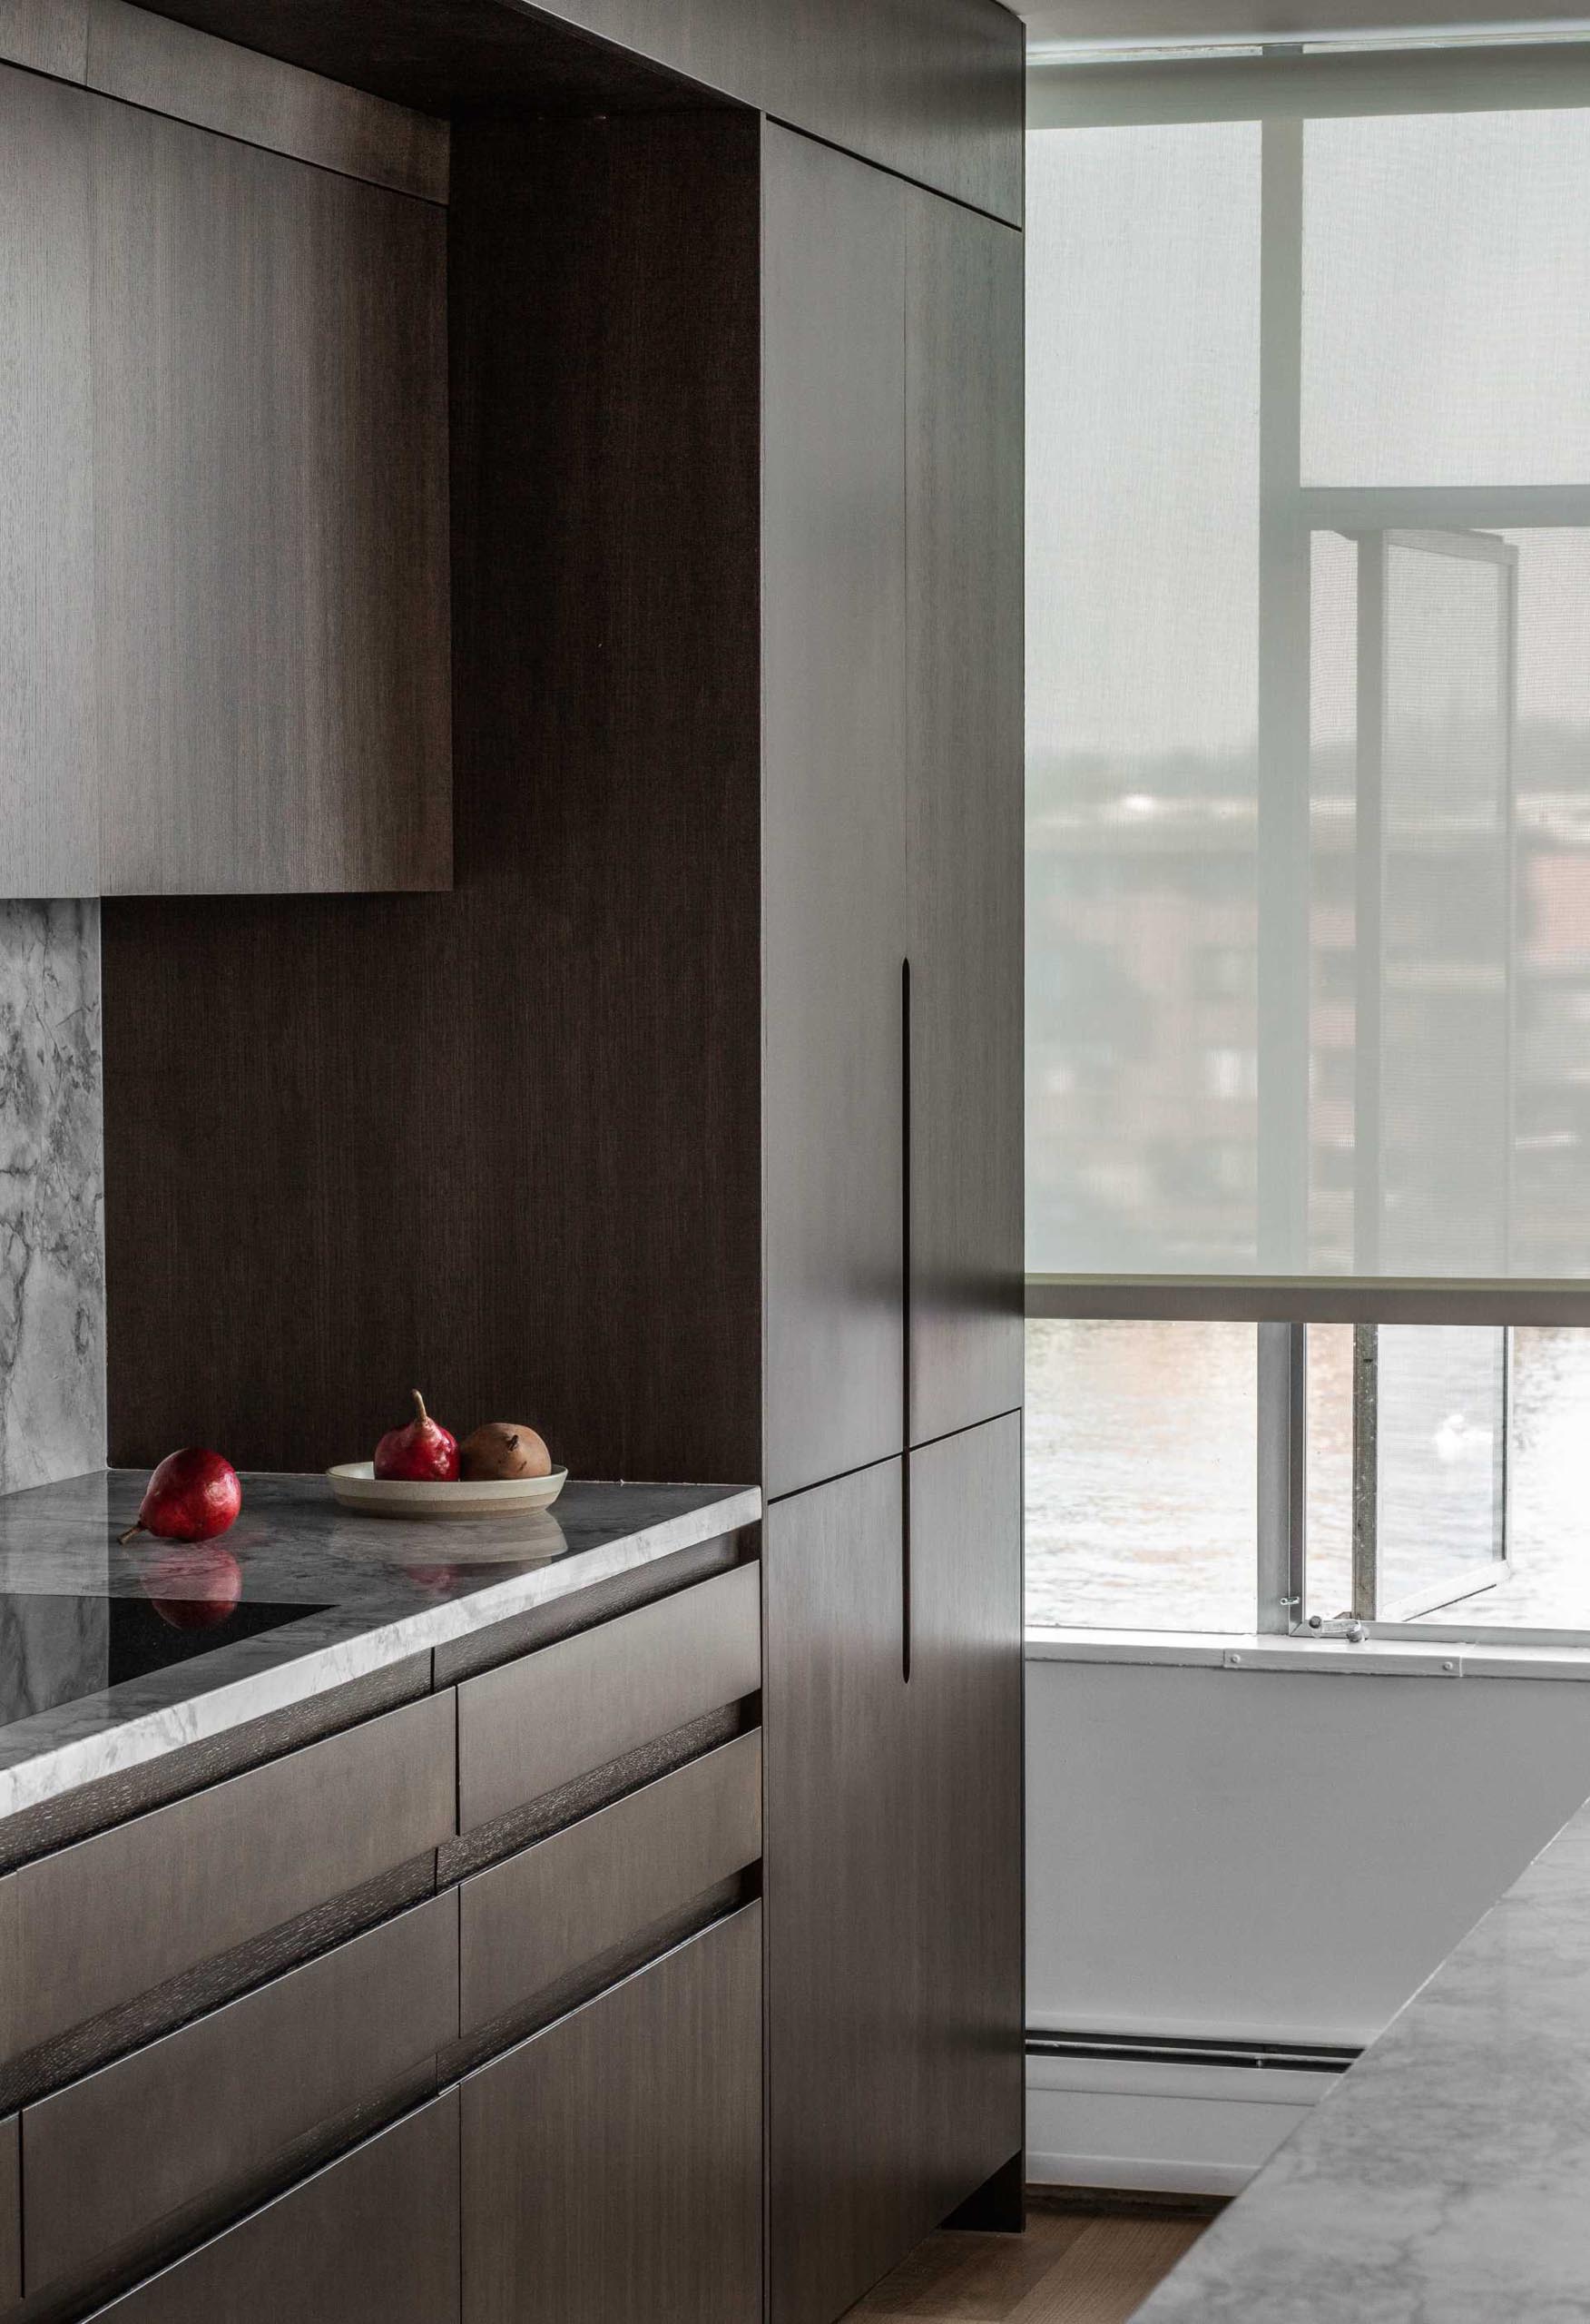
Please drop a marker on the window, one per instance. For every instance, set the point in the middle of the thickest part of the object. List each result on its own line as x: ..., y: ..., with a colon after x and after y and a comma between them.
x: 1308, y: 839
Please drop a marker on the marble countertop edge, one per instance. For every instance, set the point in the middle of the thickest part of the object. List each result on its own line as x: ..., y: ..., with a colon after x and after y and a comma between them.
x: 59, y: 1749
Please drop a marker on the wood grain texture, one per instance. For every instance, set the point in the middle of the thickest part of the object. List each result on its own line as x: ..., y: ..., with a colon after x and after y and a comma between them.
x: 930, y: 88
x: 841, y: 1877
x: 599, y: 1974
x: 968, y: 2102
x: 833, y: 808
x: 49, y: 830
x: 613, y: 2163
x: 1068, y: 2268
x: 103, y: 1921
x: 161, y: 2009
x: 47, y: 36
x: 155, y: 1782
x: 270, y: 369
x: 373, y: 2239
x: 10, y: 2211
x: 965, y: 812
x: 147, y: 59
x: 234, y: 2091
x: 529, y: 1725
x: 585, y: 1890
x: 523, y: 1118
x: 583, y: 1610
x: 933, y: 89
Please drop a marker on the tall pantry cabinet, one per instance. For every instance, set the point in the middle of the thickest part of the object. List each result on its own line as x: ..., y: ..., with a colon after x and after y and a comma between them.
x: 892, y: 1122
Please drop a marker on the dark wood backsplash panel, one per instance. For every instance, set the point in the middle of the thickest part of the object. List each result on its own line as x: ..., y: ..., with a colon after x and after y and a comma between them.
x: 502, y: 1143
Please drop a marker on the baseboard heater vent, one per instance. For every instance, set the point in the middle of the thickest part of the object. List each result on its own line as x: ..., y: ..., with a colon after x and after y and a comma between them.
x: 1153, y: 2049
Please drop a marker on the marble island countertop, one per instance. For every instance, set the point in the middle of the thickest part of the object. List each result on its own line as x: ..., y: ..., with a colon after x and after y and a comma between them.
x: 95, y: 1677
x: 1446, y: 2179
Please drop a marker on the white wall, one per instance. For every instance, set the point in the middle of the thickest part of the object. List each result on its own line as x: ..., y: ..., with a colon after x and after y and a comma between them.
x: 1263, y: 1856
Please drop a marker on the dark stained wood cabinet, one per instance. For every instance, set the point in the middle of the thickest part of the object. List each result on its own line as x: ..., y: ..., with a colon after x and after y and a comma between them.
x: 224, y: 568
x: 49, y: 812
x: 10, y: 2211
x: 963, y: 843
x: 932, y: 89
x: 582, y: 1892
x: 893, y: 1860
x: 234, y: 2092
x: 833, y: 808
x: 612, y: 2165
x: 93, y: 1926
x: 965, y: 1752
x: 843, y: 2152
x: 711, y: 1063
x: 371, y: 2239
x: 539, y: 1721
x: 270, y: 482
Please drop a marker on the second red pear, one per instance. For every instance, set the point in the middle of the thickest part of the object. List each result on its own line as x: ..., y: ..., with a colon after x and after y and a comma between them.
x: 421, y: 1451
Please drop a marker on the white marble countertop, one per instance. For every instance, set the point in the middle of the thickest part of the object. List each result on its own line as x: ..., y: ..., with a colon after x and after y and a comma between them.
x: 1446, y: 2179
x: 374, y: 1592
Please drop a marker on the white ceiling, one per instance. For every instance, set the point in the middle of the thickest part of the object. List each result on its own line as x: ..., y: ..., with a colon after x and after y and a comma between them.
x: 1094, y: 22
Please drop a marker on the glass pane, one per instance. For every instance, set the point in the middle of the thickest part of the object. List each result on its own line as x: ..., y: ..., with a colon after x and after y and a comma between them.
x: 1444, y: 1066
x: 1142, y: 1475
x: 1142, y: 315
x: 1436, y: 1471
x: 1439, y: 1439
x: 1447, y: 300
x: 1484, y: 937
x: 1548, y: 1585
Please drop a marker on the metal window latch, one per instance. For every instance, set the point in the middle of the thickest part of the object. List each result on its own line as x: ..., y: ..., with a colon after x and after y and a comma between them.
x: 1347, y: 1626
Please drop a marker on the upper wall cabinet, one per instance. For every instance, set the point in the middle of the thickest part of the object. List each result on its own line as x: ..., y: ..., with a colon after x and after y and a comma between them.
x: 223, y: 587
x: 49, y: 810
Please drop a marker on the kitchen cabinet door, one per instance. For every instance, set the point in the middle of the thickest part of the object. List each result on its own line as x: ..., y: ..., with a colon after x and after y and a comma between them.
x: 840, y: 1859
x: 371, y: 2239
x: 49, y: 801
x: 964, y: 814
x: 613, y: 2163
x: 966, y: 1787
x: 833, y: 809
x: 270, y: 471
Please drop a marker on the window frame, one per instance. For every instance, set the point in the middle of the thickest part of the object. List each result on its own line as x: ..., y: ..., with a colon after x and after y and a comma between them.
x: 1281, y: 88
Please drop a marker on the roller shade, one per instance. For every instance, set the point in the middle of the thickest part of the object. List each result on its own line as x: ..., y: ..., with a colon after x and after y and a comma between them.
x: 1309, y: 668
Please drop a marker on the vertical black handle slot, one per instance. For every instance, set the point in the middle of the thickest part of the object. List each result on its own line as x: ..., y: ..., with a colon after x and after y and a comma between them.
x: 905, y: 1320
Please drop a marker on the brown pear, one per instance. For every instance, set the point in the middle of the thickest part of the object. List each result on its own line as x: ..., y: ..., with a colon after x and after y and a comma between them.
x: 503, y: 1448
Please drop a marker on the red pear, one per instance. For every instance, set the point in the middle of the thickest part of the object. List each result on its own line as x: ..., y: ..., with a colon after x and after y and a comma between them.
x: 195, y: 1587
x: 423, y: 1453
x: 193, y: 1496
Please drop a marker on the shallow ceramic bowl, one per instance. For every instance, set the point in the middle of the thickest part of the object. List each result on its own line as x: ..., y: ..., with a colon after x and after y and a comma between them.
x: 357, y: 1486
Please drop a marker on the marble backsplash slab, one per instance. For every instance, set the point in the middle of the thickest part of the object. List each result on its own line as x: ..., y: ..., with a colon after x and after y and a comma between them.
x: 51, y: 1195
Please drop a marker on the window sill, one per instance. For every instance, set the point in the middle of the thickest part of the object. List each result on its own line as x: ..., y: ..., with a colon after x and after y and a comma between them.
x: 1321, y: 1658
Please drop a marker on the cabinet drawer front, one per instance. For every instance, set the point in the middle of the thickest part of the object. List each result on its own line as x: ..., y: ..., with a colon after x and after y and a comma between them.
x: 232, y: 2091
x: 373, y: 2239
x: 555, y: 1715
x: 613, y: 2163
x: 10, y: 2214
x: 109, y: 1919
x: 531, y: 1920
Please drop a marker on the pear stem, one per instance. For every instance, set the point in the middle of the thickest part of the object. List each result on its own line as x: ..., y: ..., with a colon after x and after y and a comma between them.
x: 131, y: 1535
x: 419, y: 1407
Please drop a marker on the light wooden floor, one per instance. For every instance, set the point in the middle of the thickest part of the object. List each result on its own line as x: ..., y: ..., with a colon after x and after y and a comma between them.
x: 1071, y: 2267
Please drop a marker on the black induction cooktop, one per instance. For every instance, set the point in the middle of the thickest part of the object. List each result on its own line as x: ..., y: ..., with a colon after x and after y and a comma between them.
x: 56, y: 1650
